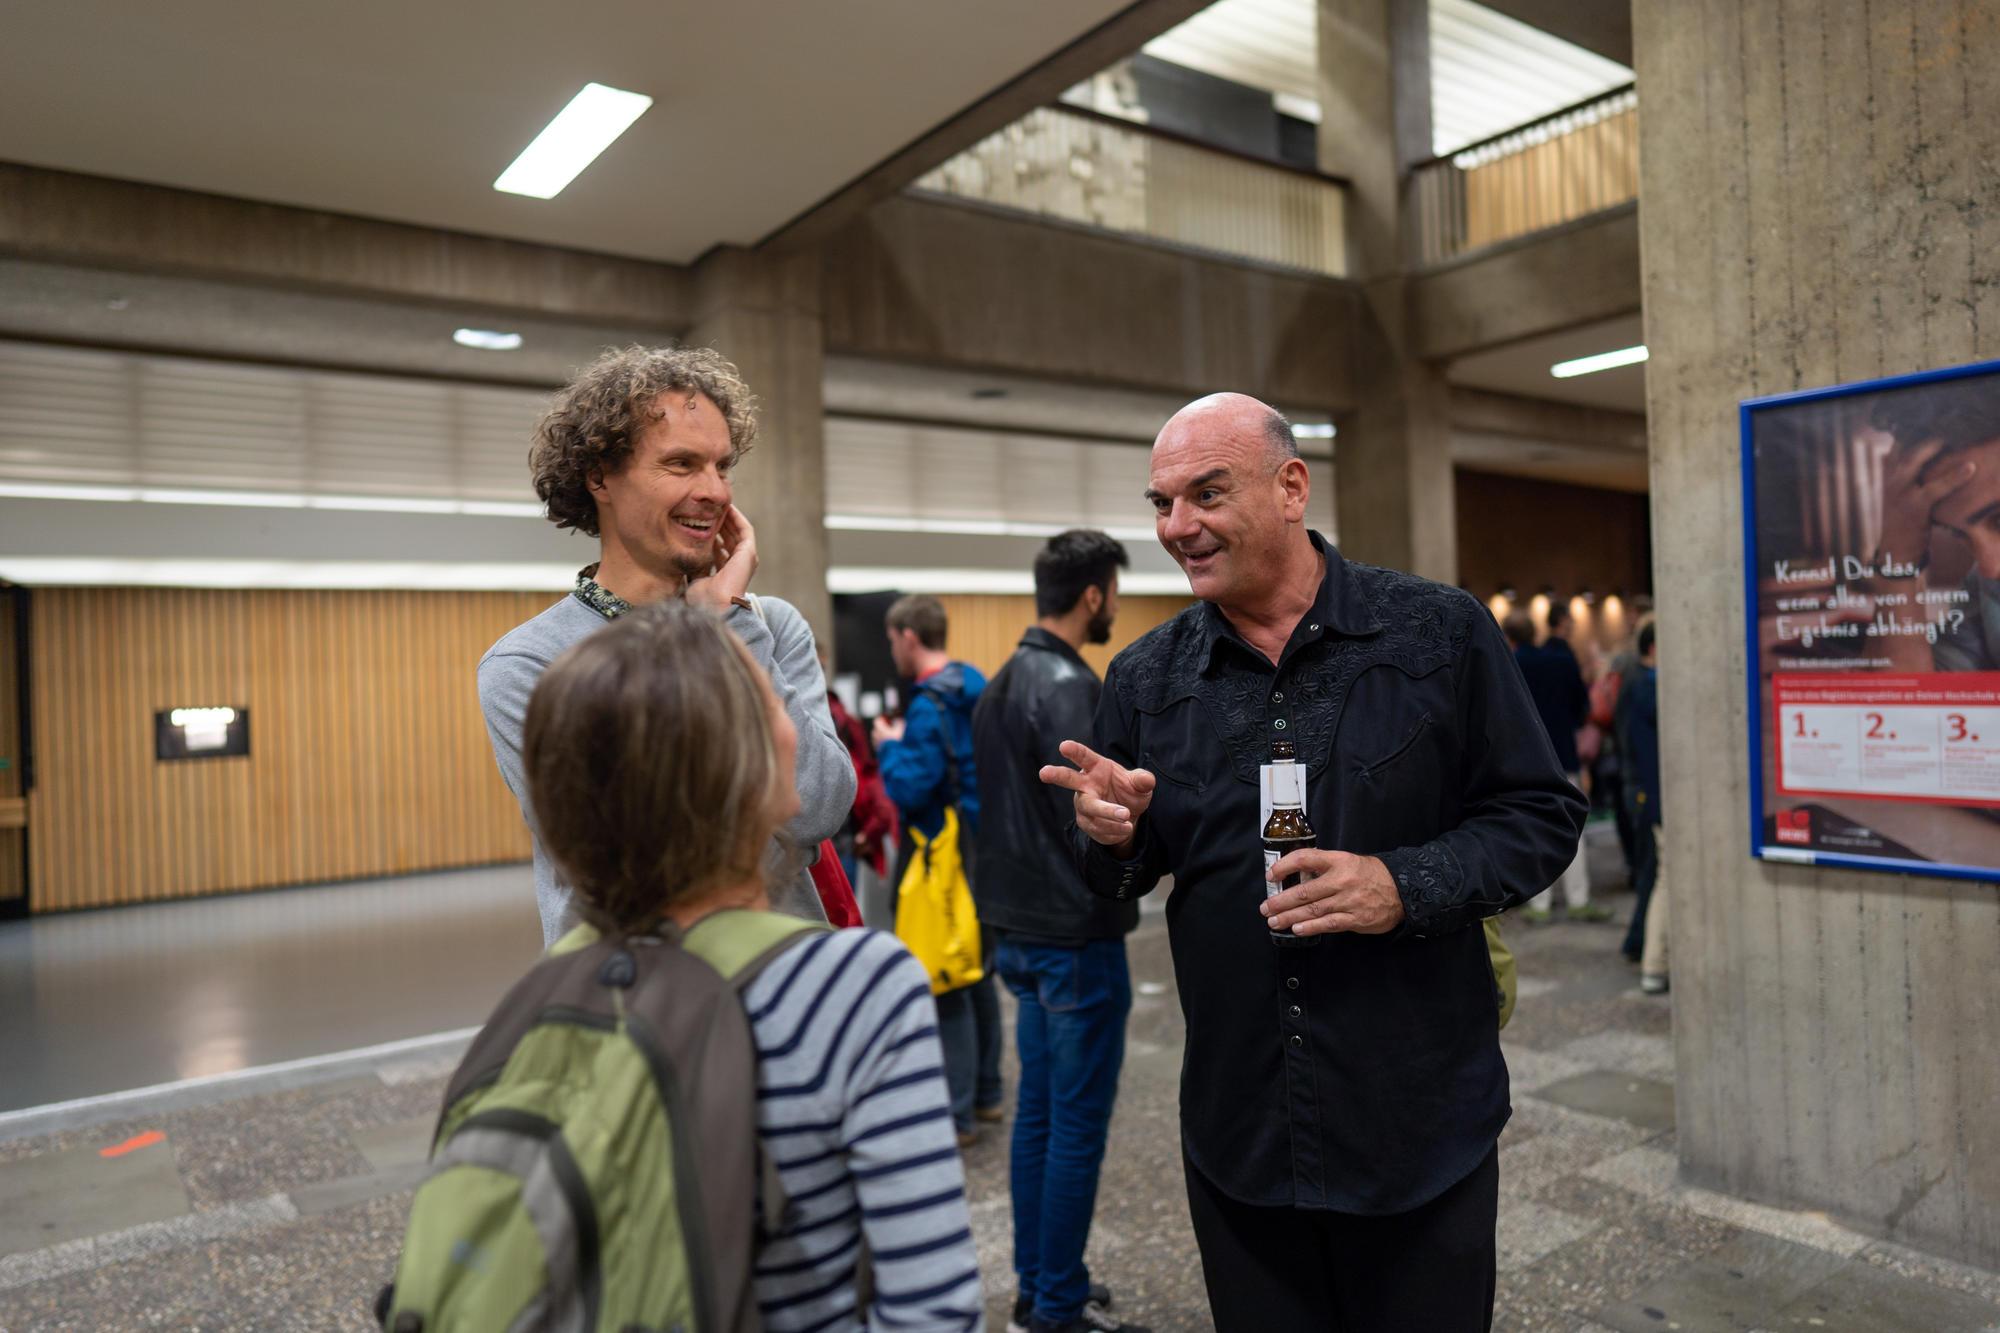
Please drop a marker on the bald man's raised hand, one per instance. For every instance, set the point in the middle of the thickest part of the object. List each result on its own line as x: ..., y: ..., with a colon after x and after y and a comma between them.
x: 1109, y: 797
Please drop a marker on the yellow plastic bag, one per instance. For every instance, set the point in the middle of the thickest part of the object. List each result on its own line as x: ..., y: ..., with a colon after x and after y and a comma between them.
x: 934, y: 912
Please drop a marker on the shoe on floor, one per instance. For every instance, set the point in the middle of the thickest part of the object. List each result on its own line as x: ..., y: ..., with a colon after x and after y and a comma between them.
x: 1094, y: 1319
x: 1653, y: 983
x: 1590, y: 912
x: 966, y: 1138
x: 992, y: 1115
x: 1535, y: 914
x: 1024, y: 1309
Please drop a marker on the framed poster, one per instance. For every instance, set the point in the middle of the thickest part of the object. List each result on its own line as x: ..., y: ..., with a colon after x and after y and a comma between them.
x: 1872, y: 545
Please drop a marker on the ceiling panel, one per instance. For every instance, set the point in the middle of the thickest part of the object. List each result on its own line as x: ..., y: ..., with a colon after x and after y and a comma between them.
x: 408, y: 111
x: 1523, y: 368
x: 1489, y: 72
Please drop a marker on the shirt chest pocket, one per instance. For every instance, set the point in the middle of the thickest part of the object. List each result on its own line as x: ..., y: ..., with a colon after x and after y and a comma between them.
x: 1393, y: 757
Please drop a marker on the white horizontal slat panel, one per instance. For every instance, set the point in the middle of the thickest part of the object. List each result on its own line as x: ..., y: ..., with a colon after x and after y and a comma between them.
x: 70, y: 417
x: 495, y: 427
x: 212, y: 425
x: 374, y: 436
x: 909, y: 474
x: 65, y: 413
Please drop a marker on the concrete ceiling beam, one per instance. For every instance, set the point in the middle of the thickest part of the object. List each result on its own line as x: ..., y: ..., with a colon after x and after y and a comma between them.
x: 1566, y: 276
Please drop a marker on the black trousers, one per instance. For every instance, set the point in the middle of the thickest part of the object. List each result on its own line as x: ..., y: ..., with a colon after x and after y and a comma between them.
x: 1289, y: 1270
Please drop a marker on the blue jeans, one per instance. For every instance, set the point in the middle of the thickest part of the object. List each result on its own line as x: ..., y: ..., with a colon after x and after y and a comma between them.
x: 1071, y: 1029
x: 969, y: 1031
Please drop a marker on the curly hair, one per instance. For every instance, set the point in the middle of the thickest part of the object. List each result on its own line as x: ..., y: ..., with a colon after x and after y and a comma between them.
x: 590, y: 428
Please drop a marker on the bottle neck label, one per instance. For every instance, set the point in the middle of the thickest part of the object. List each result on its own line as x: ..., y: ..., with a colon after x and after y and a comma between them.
x: 1284, y: 783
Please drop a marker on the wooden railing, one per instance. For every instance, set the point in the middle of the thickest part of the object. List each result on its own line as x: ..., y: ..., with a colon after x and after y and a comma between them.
x: 1100, y: 171
x: 1575, y: 162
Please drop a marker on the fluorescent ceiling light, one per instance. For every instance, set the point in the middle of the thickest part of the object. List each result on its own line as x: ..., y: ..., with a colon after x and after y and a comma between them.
x: 1590, y: 365
x: 583, y: 129
x: 487, y: 340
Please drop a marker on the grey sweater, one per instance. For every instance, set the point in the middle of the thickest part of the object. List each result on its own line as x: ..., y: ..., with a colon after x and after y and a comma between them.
x: 780, y: 641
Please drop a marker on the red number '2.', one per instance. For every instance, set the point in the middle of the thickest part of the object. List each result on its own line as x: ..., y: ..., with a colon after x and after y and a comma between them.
x: 1874, y: 726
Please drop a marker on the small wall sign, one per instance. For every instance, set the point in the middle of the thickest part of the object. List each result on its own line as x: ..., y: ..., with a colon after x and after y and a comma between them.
x: 201, y: 733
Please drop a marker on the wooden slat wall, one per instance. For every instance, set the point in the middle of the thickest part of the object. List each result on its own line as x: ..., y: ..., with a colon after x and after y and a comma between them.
x: 985, y: 627
x: 368, y: 754
x: 13, y: 880
x: 1567, y: 176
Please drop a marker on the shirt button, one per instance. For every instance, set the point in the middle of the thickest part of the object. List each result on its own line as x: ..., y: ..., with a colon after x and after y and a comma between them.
x: 1296, y: 1011
x: 1279, y: 724
x: 1277, y: 696
x: 1298, y: 1041
x: 1291, y: 983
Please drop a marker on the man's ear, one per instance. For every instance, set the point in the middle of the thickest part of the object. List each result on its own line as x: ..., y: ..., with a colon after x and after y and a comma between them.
x: 1093, y: 599
x: 593, y: 481
x: 1296, y: 479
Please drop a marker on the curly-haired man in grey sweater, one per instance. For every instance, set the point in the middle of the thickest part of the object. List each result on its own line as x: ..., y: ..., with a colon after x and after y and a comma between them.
x: 637, y: 451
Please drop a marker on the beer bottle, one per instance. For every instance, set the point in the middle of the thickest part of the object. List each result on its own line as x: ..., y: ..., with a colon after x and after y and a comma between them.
x: 1286, y: 830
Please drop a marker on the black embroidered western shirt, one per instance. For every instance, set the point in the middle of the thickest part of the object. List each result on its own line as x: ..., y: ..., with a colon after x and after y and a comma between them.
x: 1363, y: 1075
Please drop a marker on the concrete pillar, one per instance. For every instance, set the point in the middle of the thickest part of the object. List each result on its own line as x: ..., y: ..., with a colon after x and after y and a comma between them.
x: 762, y: 311
x: 1816, y: 207
x: 1393, y: 454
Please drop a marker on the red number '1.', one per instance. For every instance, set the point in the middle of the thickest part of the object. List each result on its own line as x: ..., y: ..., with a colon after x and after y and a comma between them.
x: 1800, y: 718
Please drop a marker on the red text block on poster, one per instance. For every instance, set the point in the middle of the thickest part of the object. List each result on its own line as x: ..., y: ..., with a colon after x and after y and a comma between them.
x: 1932, y: 737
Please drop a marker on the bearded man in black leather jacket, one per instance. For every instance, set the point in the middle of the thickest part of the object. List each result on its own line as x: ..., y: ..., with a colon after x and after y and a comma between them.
x: 1061, y: 948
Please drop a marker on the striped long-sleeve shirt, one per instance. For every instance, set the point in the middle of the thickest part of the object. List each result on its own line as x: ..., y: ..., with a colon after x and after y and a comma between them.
x: 852, y: 1105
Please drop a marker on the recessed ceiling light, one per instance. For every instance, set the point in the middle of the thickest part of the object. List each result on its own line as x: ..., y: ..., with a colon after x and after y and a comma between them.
x: 1590, y: 365
x: 583, y: 129
x: 487, y: 340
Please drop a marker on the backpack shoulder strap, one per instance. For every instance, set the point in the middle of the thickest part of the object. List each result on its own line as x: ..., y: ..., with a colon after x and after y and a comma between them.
x: 954, y: 788
x: 738, y: 942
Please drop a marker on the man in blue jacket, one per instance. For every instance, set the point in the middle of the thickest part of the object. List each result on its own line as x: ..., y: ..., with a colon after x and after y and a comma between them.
x: 927, y: 767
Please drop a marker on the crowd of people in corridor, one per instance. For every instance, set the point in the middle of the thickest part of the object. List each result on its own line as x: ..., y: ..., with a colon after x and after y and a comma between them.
x: 678, y: 757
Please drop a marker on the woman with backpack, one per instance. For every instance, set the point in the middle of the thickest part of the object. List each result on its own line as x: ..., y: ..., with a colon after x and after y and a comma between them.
x: 659, y: 763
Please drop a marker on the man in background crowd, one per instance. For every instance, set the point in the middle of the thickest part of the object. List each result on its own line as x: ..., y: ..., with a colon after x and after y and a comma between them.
x: 1562, y: 701
x: 637, y: 451
x: 1639, y: 737
x: 1061, y: 948
x: 927, y: 768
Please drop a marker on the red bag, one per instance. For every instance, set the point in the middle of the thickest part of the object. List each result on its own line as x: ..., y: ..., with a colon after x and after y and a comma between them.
x: 836, y: 895
x: 1604, y: 700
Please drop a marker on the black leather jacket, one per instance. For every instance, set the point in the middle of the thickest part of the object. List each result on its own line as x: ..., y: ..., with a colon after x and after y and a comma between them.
x: 1028, y: 883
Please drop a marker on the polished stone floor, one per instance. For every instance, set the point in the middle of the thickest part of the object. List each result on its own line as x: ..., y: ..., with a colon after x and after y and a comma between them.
x: 249, y: 1206
x: 95, y: 1002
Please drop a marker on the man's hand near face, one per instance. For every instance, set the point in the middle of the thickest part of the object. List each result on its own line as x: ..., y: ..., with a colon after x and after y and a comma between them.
x: 1341, y: 891
x: 1109, y: 797
x: 888, y: 729
x: 735, y: 562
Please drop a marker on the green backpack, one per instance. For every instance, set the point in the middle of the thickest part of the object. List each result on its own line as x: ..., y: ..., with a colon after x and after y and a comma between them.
x: 596, y: 1165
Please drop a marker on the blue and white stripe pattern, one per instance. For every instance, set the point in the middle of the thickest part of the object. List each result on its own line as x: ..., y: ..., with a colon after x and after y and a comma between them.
x: 852, y: 1105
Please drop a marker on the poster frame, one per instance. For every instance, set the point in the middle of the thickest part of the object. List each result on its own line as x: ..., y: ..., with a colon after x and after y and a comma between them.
x: 1746, y: 415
